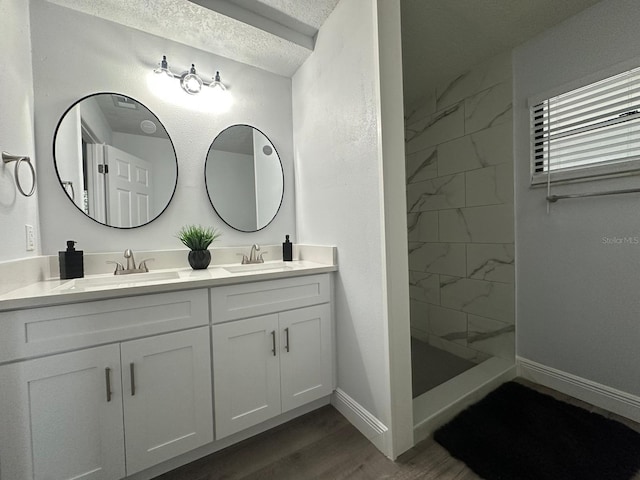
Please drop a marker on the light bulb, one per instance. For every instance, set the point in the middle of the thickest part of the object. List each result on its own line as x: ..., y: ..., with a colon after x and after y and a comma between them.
x: 191, y: 82
x: 217, y: 85
x: 163, y: 67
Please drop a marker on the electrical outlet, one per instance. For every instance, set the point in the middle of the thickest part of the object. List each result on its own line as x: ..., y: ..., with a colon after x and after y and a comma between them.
x: 30, y: 238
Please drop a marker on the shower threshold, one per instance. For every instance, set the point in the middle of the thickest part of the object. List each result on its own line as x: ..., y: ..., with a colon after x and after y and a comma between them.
x: 440, y: 404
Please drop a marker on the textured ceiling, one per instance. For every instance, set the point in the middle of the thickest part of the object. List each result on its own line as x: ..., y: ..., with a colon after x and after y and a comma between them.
x: 202, y: 28
x: 441, y: 39
x: 309, y: 12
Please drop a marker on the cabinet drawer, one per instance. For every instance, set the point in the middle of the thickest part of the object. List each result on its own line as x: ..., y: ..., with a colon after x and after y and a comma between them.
x: 260, y: 298
x: 41, y: 331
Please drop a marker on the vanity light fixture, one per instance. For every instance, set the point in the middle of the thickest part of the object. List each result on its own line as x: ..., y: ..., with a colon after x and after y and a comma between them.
x: 190, y: 81
x: 217, y: 85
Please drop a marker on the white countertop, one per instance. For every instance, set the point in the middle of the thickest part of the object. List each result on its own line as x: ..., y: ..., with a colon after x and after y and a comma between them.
x: 100, y: 287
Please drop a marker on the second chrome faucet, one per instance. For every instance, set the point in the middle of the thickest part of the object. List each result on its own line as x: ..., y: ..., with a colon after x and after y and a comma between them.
x: 131, y: 264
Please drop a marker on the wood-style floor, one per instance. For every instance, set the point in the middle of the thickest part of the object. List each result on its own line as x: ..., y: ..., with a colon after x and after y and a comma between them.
x: 323, y: 445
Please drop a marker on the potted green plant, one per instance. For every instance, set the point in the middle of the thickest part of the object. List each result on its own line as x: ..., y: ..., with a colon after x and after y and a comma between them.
x: 198, y: 239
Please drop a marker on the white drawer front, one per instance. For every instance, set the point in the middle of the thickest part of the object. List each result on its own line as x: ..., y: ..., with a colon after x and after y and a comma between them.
x: 260, y: 298
x: 41, y: 331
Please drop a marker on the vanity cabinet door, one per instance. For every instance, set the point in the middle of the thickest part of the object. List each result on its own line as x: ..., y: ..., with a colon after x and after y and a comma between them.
x: 246, y: 373
x: 306, y: 352
x: 166, y: 383
x: 65, y: 419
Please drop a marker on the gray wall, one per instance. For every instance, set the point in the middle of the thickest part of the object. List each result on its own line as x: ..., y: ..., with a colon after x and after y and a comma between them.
x: 460, y: 213
x: 76, y: 54
x: 577, y: 301
x: 16, y: 129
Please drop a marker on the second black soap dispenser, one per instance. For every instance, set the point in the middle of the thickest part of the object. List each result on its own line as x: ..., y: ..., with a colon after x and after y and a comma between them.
x: 287, y: 250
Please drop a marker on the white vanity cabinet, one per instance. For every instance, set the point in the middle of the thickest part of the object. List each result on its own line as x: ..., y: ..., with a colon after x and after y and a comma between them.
x: 56, y: 420
x: 166, y: 392
x: 279, y: 358
x: 78, y: 415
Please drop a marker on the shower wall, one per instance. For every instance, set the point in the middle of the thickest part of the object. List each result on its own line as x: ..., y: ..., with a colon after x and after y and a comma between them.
x: 459, y: 159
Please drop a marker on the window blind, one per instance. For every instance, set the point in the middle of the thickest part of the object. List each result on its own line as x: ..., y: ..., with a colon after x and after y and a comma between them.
x: 590, y: 131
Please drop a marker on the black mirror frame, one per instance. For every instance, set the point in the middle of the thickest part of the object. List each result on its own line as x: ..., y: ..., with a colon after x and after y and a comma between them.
x: 207, y: 186
x: 60, y: 181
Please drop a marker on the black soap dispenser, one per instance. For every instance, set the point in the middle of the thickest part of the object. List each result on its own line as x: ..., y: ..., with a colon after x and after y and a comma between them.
x: 71, y: 262
x: 287, y: 250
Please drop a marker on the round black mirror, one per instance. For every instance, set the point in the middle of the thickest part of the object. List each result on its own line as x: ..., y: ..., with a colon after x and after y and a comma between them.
x: 244, y: 178
x: 115, y: 160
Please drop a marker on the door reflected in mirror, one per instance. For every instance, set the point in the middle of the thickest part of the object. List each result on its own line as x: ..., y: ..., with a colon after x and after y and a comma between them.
x: 244, y: 178
x: 115, y: 160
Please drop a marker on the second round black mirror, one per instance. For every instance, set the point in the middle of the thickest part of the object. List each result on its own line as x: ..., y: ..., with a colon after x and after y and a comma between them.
x: 244, y: 178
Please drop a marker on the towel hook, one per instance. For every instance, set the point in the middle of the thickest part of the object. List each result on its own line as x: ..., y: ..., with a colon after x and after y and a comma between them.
x: 7, y: 157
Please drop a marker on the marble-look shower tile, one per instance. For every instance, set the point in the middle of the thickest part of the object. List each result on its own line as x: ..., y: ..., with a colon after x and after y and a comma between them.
x: 420, y: 109
x: 492, y: 262
x: 458, y: 350
x: 440, y: 127
x: 489, y: 186
x: 448, y: 324
x: 419, y: 316
x: 490, y: 224
x: 422, y: 165
x: 422, y: 226
x: 488, y: 108
x: 492, y: 146
x: 480, y: 77
x: 419, y: 335
x: 436, y: 194
x: 424, y: 287
x: 443, y: 258
x: 488, y: 299
x: 491, y: 336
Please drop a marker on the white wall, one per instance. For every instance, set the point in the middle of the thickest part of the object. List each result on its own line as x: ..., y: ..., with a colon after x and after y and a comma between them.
x: 340, y: 197
x: 16, y: 129
x: 232, y: 179
x: 268, y: 176
x: 577, y: 296
x: 69, y: 154
x: 93, y: 117
x: 76, y: 55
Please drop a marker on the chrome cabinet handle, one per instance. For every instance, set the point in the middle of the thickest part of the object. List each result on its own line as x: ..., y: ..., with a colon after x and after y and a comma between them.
x: 133, y: 379
x: 286, y: 336
x: 273, y: 342
x: 107, y: 375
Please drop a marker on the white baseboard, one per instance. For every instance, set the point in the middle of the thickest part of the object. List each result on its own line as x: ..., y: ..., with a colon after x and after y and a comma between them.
x: 372, y: 428
x: 602, y: 396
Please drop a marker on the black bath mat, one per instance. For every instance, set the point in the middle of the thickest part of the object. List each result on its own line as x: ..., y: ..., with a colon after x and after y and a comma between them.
x: 516, y: 433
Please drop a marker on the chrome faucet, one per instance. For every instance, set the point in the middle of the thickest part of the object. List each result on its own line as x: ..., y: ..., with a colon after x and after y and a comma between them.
x: 254, y: 257
x: 131, y: 264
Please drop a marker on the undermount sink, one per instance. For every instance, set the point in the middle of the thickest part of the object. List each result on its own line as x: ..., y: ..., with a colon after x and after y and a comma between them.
x: 257, y: 267
x: 131, y: 279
